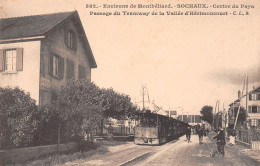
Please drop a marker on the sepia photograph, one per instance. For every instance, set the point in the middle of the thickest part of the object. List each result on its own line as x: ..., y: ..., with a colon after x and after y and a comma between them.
x: 129, y: 82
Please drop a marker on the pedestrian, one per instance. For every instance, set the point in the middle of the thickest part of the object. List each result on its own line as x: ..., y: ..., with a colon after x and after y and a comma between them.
x: 188, y: 133
x: 220, y: 142
x: 200, y: 134
x: 110, y: 132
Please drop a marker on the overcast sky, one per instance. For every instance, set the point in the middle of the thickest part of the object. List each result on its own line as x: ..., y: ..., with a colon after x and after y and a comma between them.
x: 184, y: 61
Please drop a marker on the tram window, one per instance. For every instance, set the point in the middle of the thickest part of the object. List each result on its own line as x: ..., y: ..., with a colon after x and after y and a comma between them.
x: 152, y: 123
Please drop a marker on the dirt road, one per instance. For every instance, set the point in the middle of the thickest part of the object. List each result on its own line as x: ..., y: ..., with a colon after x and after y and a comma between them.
x: 176, y: 153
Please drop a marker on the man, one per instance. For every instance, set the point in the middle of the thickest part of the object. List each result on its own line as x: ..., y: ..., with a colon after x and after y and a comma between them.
x: 188, y: 133
x: 220, y: 142
x: 200, y: 134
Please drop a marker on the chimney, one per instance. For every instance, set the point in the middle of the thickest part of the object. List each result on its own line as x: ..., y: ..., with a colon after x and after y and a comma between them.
x: 239, y: 94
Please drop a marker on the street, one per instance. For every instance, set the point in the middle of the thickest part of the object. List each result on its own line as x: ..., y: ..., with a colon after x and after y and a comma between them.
x: 177, y: 152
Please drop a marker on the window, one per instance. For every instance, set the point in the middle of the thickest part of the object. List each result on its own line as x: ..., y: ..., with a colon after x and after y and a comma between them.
x: 254, y: 109
x: 253, y: 122
x: 70, y: 69
x: 55, y: 65
x: 71, y: 39
x: 56, y: 68
x: 258, y: 96
x: 11, y: 60
x: 253, y: 96
x: 82, y: 72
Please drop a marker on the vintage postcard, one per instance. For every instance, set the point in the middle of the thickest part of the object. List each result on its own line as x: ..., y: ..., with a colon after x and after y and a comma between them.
x: 97, y: 82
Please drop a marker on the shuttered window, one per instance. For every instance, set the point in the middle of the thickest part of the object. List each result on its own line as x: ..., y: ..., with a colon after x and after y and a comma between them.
x: 70, y: 69
x: 11, y: 60
x: 71, y: 39
x: 56, y: 66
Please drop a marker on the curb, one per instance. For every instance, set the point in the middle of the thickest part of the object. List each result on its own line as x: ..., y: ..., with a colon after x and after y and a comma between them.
x: 135, y: 159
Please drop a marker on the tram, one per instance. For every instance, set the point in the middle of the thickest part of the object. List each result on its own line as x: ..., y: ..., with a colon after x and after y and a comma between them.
x: 155, y: 129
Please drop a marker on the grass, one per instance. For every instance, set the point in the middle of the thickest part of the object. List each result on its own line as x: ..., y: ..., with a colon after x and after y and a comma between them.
x: 58, y: 159
x: 64, y: 158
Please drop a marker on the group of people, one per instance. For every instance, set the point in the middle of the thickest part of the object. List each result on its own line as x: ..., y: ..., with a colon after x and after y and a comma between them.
x: 201, y: 131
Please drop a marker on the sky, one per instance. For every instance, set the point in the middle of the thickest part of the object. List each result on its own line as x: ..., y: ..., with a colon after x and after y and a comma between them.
x: 184, y: 61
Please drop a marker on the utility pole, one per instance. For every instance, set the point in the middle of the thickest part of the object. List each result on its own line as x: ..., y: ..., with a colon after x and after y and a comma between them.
x: 218, y: 115
x: 143, y: 97
x: 145, y: 92
x: 214, y: 113
x: 238, y: 111
x: 246, y: 99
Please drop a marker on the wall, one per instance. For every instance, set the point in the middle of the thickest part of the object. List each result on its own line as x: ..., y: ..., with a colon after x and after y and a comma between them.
x: 25, y: 154
x: 28, y: 78
x: 54, y: 43
x: 250, y: 103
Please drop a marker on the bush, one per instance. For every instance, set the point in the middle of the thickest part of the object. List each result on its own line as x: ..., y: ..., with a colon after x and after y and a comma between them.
x: 17, y: 118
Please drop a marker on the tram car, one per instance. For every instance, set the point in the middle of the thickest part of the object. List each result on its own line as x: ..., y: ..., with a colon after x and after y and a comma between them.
x: 155, y: 129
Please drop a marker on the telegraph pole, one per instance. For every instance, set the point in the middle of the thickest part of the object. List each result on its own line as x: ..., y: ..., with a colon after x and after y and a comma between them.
x: 246, y: 99
x: 213, y: 126
x: 238, y: 111
x: 218, y: 115
x: 143, y: 97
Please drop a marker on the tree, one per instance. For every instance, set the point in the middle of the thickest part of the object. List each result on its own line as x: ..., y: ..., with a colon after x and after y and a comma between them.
x: 81, y: 107
x: 241, y: 116
x: 207, y: 114
x: 17, y: 118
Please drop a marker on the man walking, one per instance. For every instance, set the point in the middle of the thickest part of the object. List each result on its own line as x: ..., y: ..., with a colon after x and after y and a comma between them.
x: 188, y: 133
x: 220, y: 142
x: 200, y: 134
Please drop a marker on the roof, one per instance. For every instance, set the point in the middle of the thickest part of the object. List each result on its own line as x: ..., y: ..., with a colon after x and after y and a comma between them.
x: 252, y: 91
x: 40, y: 25
x: 236, y: 101
x: 255, y: 90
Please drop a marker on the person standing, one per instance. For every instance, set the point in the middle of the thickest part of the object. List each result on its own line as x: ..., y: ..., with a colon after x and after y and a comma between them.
x: 110, y: 132
x: 188, y: 133
x: 200, y: 134
x: 220, y: 142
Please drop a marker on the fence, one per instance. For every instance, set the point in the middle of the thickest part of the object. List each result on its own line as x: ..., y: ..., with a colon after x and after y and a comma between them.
x: 246, y: 136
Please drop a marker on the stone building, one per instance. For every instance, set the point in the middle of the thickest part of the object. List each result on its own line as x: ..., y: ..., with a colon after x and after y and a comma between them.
x: 39, y: 53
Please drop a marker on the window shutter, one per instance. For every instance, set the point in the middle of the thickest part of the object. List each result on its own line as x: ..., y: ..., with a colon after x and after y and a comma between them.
x: 79, y: 72
x: 19, y: 59
x: 61, y: 67
x: 66, y: 37
x: 51, y: 65
x: 1, y: 60
x: 74, y: 42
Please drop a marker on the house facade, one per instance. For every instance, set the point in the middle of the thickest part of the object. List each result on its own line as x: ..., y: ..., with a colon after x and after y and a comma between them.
x: 251, y: 103
x: 40, y: 53
x: 191, y: 119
